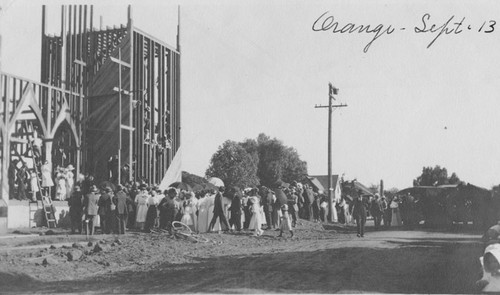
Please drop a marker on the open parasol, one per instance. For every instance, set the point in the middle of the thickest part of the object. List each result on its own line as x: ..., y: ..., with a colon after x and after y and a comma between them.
x: 216, y: 181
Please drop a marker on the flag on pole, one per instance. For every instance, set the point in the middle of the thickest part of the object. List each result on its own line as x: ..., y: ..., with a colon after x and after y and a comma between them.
x: 332, y: 90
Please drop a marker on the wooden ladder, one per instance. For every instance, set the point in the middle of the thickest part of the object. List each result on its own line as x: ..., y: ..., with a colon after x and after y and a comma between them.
x: 48, y: 209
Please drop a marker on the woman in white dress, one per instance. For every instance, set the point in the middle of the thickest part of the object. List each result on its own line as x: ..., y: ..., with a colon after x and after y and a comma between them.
x: 193, y: 201
x: 187, y: 211
x: 202, y: 214
x: 256, y: 219
x: 34, y: 185
x: 70, y: 180
x: 141, y: 201
x: 61, y: 187
x: 46, y: 175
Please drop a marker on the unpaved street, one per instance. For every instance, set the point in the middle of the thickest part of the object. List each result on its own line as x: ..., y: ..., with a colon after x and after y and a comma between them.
x: 318, y: 260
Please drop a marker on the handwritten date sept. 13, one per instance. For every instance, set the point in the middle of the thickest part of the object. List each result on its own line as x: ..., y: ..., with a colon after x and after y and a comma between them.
x: 326, y: 22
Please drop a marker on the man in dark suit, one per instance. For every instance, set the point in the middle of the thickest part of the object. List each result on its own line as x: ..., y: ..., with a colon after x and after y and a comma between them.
x: 105, y: 211
x: 121, y: 211
x: 219, y: 211
x: 90, y: 208
x: 235, y: 210
x: 358, y: 211
x: 75, y: 203
x: 308, y: 201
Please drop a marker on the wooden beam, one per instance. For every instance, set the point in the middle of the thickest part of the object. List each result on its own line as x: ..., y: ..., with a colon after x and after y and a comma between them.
x: 120, y: 62
x: 130, y: 128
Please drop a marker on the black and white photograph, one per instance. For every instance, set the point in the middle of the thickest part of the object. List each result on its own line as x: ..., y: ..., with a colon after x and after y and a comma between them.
x: 188, y: 146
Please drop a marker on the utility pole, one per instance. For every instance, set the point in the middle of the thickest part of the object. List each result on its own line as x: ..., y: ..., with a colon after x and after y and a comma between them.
x: 331, y: 92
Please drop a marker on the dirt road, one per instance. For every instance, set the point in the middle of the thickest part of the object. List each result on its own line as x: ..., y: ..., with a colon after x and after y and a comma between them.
x: 318, y: 260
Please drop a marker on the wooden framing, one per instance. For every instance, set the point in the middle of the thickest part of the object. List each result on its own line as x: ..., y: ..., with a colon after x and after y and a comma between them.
x: 83, y: 70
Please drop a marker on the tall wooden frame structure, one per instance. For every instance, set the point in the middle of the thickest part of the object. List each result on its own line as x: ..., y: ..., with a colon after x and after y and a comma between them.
x: 131, y: 82
x: 104, y: 92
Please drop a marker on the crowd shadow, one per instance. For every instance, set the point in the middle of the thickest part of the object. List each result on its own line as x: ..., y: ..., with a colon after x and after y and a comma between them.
x: 446, y: 267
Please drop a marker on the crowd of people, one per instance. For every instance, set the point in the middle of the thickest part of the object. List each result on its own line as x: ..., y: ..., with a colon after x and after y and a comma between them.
x: 142, y: 207
x: 27, y: 183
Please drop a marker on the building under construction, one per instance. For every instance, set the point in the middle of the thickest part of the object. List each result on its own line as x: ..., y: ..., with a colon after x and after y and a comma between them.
x: 108, y: 103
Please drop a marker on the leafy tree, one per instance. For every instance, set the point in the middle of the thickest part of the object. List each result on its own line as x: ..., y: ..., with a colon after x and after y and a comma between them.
x: 233, y: 165
x: 270, y: 164
x: 270, y: 161
x: 435, y: 176
x: 278, y: 162
x: 293, y: 167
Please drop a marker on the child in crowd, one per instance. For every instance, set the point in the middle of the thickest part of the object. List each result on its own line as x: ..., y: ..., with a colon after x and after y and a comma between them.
x: 286, y: 222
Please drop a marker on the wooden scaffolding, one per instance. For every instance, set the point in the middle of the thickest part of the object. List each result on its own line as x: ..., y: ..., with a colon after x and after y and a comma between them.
x: 108, y: 101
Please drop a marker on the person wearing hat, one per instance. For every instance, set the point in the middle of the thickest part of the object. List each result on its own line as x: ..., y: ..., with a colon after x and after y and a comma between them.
x: 286, y: 222
x: 90, y: 205
x: 105, y: 212
x: 75, y: 203
x: 61, y: 188
x: 141, y: 201
x: 152, y: 212
x: 308, y: 202
x: 358, y: 211
x: 70, y: 179
x: 490, y: 281
x: 121, y: 209
x: 219, y: 211
x: 396, y: 214
x: 235, y: 209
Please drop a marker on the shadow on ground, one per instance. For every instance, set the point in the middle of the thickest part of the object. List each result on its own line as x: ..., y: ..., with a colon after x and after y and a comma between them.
x: 418, y: 266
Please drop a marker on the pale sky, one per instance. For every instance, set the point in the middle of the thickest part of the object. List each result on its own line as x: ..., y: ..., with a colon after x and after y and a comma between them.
x: 257, y: 66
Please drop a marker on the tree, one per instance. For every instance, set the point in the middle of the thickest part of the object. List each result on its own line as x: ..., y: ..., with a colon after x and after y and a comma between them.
x: 262, y: 160
x: 435, y: 176
x: 233, y: 165
x: 278, y: 162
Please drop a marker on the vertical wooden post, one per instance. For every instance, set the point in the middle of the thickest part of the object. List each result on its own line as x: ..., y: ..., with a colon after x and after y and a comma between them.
x: 64, y: 38
x: 119, y: 114
x: 130, y: 29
